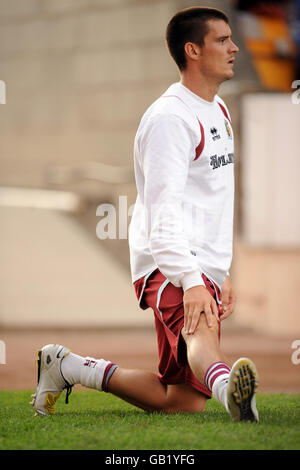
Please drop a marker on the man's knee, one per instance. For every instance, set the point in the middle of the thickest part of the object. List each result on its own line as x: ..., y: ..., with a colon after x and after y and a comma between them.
x: 182, y: 398
x: 185, y: 400
x: 202, y: 329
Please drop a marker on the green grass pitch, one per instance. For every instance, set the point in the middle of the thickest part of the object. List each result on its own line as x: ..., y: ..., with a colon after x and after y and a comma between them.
x: 100, y: 421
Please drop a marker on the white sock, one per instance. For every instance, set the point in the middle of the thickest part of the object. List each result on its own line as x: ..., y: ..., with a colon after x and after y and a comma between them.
x: 216, y: 379
x: 87, y: 371
x: 219, y: 390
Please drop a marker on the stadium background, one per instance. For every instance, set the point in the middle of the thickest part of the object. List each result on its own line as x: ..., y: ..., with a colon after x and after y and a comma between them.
x: 76, y: 77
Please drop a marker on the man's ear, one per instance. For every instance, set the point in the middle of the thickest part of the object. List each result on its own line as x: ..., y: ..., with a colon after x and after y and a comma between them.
x: 192, y: 50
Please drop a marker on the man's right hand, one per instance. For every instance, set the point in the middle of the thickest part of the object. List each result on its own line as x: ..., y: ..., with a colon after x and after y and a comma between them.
x: 196, y: 301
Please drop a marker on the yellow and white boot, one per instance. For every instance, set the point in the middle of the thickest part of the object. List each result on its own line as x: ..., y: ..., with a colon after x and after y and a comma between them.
x: 241, y: 388
x: 50, y: 380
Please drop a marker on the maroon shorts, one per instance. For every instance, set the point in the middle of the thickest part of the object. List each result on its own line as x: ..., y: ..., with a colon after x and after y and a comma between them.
x: 166, y: 301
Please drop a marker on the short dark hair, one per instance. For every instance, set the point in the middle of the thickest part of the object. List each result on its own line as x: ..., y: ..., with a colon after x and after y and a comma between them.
x: 189, y: 25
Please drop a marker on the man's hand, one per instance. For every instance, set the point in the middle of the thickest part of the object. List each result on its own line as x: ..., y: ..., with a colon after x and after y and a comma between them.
x: 197, y: 300
x: 228, y: 299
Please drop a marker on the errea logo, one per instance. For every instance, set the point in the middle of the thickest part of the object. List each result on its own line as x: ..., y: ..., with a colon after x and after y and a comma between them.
x: 214, y: 133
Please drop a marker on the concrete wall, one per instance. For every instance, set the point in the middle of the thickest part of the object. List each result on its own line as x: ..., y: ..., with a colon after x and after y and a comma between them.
x: 53, y: 274
x: 267, y: 283
x: 267, y: 255
x: 78, y: 76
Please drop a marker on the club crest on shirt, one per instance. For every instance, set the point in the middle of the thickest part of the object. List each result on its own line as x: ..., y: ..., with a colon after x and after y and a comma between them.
x: 228, y: 129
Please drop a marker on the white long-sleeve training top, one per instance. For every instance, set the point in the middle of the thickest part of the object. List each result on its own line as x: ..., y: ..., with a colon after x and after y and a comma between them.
x: 182, y: 221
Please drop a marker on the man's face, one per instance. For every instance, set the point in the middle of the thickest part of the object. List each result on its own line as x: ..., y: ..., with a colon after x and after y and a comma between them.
x: 218, y: 52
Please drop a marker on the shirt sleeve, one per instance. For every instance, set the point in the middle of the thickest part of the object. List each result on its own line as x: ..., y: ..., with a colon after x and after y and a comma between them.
x: 167, y: 147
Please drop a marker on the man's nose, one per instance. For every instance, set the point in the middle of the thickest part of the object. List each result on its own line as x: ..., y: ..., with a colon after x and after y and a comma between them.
x: 233, y: 47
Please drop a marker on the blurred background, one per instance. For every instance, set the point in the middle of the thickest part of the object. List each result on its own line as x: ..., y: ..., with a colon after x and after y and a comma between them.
x: 76, y: 77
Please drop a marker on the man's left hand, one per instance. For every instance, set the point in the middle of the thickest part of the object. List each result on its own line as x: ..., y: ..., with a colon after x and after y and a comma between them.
x: 228, y: 299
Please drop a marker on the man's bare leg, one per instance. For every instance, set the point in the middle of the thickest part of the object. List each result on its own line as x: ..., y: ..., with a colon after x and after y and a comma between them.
x: 140, y: 388
x: 207, y: 361
x: 203, y: 347
x: 234, y: 387
x: 144, y: 390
